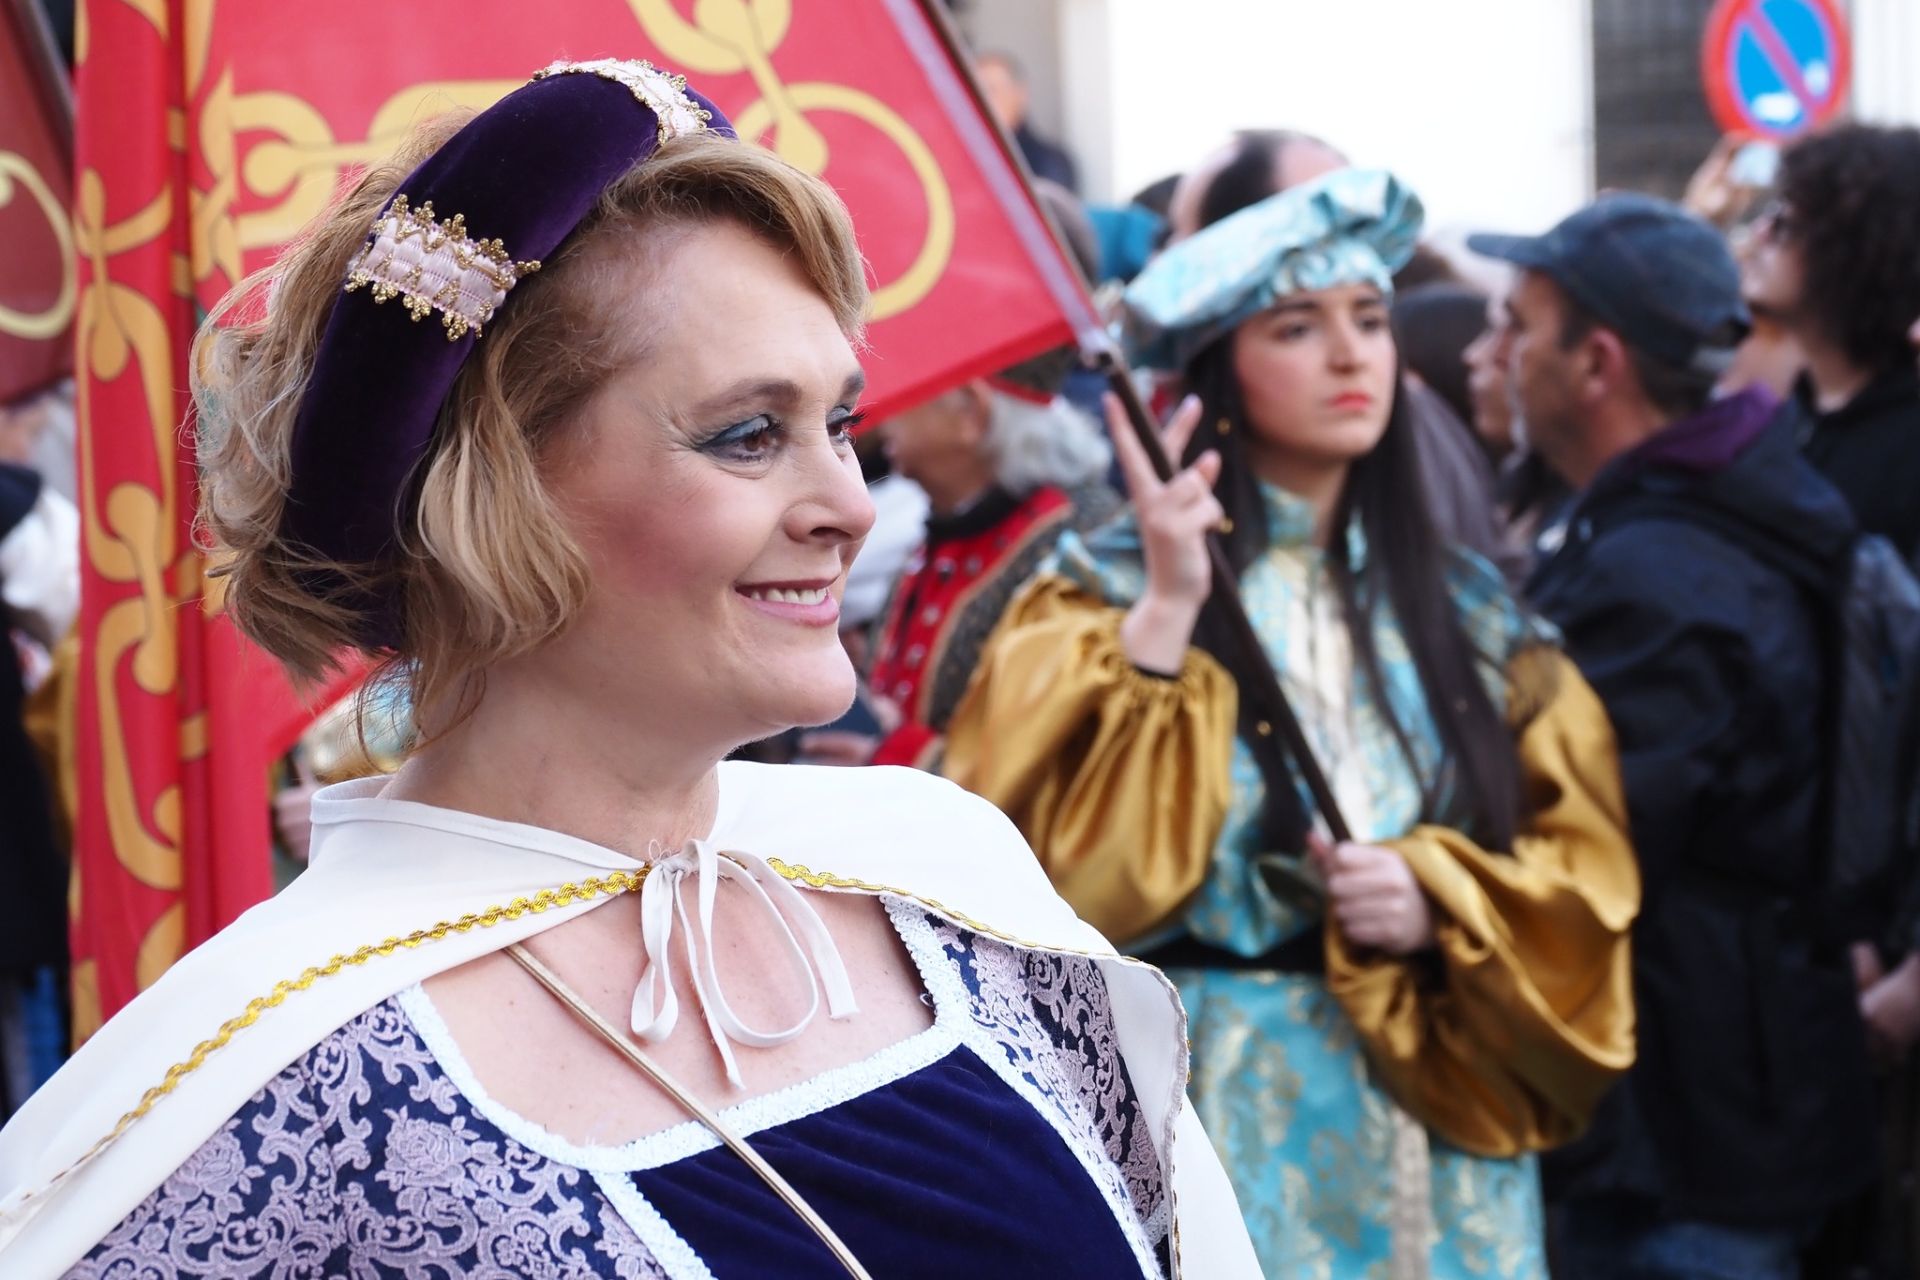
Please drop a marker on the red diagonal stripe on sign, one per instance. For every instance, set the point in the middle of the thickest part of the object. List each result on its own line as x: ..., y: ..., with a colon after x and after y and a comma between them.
x: 1774, y: 45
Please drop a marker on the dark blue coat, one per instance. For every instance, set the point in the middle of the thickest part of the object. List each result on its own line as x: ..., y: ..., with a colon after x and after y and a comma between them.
x: 1695, y: 587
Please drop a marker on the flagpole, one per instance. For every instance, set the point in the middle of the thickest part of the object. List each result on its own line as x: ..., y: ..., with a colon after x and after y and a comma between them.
x: 52, y: 83
x: 1253, y: 672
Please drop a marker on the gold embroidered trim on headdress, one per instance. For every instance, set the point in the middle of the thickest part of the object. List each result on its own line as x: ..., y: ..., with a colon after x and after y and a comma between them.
x: 661, y: 92
x: 435, y: 266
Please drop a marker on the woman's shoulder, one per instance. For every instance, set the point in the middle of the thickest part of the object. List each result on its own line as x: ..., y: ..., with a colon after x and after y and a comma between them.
x: 884, y: 828
x: 877, y: 791
x: 1104, y: 560
x: 1497, y: 622
x: 338, y: 1151
x: 858, y: 810
x: 272, y: 1160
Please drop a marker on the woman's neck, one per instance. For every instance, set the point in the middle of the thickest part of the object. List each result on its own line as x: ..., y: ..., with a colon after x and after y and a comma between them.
x: 520, y: 758
x: 1313, y: 480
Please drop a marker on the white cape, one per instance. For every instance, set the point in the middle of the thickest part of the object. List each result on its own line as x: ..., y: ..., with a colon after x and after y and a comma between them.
x: 391, y: 885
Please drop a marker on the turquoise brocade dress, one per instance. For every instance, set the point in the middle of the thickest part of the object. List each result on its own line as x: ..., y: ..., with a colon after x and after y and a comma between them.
x: 1279, y: 1077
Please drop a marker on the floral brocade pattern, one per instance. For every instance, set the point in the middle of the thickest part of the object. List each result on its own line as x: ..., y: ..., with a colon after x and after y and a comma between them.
x: 1285, y: 1094
x: 365, y: 1158
x: 312, y: 1180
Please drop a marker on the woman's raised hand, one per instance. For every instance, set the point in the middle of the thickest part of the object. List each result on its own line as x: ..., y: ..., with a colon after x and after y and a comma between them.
x: 1175, y: 517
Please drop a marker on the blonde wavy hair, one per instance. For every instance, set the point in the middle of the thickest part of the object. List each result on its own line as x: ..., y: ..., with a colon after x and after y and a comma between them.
x: 485, y: 569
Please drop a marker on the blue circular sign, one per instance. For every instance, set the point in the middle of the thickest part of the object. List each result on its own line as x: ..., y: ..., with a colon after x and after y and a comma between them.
x: 1776, y: 68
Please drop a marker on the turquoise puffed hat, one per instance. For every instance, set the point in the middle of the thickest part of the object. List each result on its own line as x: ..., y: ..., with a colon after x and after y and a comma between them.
x: 1352, y: 226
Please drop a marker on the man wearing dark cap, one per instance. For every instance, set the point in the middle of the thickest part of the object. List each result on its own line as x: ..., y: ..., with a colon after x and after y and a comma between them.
x: 1693, y: 579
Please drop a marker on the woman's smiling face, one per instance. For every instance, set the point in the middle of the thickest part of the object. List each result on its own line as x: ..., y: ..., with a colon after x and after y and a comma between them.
x: 713, y: 487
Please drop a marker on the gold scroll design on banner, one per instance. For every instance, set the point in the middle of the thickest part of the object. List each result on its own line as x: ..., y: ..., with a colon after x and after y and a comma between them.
x: 294, y: 160
x: 135, y: 537
x: 728, y: 37
x: 18, y: 175
x: 132, y: 538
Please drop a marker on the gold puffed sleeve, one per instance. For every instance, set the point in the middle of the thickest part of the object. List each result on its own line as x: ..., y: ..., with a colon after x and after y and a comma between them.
x: 1510, y: 1045
x: 1118, y: 779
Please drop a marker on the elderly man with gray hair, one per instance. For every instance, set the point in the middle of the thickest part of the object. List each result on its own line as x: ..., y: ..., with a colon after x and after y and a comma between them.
x: 1008, y: 465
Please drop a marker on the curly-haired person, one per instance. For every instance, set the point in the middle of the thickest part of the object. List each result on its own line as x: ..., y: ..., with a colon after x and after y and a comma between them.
x: 1836, y: 259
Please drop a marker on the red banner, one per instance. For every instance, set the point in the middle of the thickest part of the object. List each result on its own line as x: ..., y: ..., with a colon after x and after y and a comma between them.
x: 857, y: 91
x: 210, y: 135
x: 37, y: 269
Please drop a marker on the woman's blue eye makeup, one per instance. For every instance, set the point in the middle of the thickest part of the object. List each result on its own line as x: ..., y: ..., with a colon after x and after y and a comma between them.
x: 756, y: 436
x: 743, y: 439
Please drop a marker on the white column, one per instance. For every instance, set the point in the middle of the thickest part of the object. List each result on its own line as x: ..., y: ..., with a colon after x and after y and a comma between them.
x: 1886, y: 61
x: 1029, y: 30
x: 1089, y: 71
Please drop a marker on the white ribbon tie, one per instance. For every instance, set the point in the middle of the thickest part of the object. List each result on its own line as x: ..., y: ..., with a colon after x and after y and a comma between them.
x: 656, y: 1008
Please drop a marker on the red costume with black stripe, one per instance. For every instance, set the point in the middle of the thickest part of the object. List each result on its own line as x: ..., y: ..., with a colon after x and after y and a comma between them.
x: 951, y: 596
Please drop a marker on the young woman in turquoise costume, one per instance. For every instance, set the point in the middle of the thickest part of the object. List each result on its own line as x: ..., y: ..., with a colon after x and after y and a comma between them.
x: 1384, y: 1031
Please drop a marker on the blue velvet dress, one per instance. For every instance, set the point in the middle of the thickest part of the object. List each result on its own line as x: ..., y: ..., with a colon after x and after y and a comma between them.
x: 1004, y: 1140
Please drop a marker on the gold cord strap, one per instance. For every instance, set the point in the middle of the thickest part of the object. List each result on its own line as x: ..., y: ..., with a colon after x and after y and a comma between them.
x: 631, y: 1052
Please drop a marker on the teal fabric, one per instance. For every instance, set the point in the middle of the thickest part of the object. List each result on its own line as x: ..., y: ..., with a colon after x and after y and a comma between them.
x: 1127, y: 235
x: 1279, y: 1078
x: 1352, y: 226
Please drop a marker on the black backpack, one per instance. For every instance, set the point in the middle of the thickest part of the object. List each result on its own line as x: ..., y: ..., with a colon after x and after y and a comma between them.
x: 1872, y: 629
x: 1877, y: 651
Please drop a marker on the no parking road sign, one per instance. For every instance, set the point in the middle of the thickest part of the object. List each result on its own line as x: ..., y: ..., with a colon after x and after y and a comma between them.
x: 1775, y: 69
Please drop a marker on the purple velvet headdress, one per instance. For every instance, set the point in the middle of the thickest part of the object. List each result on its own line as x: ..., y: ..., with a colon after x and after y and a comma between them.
x: 500, y: 195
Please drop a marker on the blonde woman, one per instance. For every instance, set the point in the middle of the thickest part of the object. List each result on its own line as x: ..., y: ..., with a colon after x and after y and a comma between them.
x: 567, y: 995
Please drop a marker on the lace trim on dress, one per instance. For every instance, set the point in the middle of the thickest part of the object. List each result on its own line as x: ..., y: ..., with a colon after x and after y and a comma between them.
x: 689, y: 1138
x: 673, y: 1258
x: 1042, y: 1021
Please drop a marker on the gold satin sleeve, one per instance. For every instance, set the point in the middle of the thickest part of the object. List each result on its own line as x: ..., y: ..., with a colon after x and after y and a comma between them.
x: 1511, y: 1046
x: 1118, y: 779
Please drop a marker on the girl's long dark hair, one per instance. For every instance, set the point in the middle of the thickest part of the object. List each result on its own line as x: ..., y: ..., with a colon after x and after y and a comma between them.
x: 1406, y: 573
